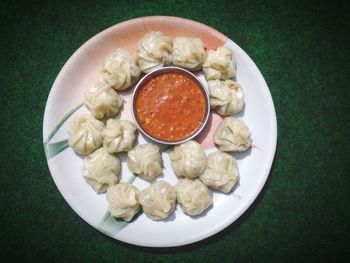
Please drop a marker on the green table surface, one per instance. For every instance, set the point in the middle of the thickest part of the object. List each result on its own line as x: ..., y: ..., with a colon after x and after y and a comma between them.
x: 301, y: 48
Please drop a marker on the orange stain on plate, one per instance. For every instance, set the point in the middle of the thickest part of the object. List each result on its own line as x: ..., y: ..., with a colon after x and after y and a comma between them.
x: 205, y: 138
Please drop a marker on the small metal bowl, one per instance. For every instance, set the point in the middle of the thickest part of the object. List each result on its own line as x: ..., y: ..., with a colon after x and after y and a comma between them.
x: 163, y: 70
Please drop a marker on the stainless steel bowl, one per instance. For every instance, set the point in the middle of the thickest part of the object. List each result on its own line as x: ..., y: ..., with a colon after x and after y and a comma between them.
x: 159, y: 71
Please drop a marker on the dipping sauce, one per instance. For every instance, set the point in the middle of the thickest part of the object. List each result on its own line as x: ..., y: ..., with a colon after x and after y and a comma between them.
x: 170, y: 106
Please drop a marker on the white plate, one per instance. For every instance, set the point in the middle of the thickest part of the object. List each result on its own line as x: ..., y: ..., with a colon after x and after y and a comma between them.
x: 65, y: 101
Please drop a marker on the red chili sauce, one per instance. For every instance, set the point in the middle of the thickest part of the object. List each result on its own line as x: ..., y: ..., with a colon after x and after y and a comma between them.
x: 170, y: 106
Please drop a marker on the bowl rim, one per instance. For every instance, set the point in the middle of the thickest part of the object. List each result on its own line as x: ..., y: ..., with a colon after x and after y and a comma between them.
x: 159, y: 71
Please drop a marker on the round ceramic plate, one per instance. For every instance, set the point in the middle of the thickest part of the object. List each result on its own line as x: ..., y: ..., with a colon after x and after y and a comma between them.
x: 66, y: 101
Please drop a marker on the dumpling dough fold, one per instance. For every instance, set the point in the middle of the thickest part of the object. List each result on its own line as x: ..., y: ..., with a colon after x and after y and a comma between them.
x: 220, y: 64
x: 232, y: 135
x: 189, y: 53
x: 193, y: 196
x: 101, y: 170
x: 226, y: 97
x: 120, y: 69
x: 154, y: 50
x: 119, y: 136
x: 85, y: 134
x: 188, y: 159
x: 158, y: 200
x: 145, y: 160
x: 102, y: 100
x: 123, y: 201
x: 221, y: 173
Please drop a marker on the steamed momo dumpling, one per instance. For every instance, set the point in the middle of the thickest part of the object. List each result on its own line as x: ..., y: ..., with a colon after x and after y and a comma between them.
x: 154, y: 51
x: 85, y: 134
x: 145, y: 160
x: 221, y: 173
x: 193, y: 196
x: 119, y: 136
x: 102, y: 100
x: 158, y: 200
x: 101, y: 170
x: 220, y: 64
x: 123, y: 201
x: 120, y: 69
x: 188, y: 52
x: 226, y: 97
x: 232, y: 135
x: 188, y: 159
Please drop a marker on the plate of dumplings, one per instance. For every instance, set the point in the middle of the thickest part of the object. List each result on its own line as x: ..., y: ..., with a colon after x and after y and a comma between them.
x: 136, y: 190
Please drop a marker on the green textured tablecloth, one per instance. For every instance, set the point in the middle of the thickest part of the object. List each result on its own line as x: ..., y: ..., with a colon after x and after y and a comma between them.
x: 302, y: 49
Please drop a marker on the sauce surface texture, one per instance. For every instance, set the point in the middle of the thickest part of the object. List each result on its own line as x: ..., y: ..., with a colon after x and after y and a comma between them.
x: 170, y: 106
